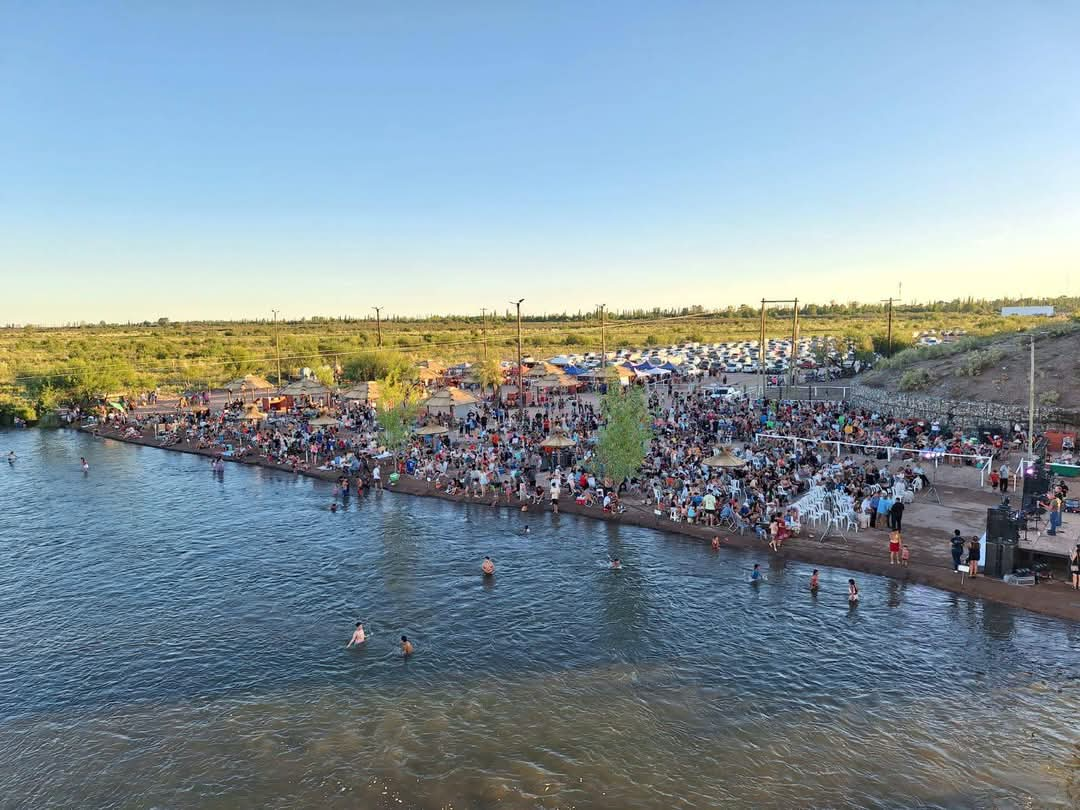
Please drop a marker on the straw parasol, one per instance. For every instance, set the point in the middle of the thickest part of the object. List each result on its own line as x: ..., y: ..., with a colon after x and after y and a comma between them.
x: 556, y: 380
x: 432, y: 430
x: 249, y: 382
x: 305, y: 385
x: 542, y: 369
x: 724, y: 458
x: 252, y: 413
x: 449, y: 398
x: 367, y: 391
x: 323, y: 421
x: 558, y: 440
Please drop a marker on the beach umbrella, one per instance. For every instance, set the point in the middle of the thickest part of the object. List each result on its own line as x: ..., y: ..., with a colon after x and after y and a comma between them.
x: 725, y: 458
x: 366, y: 391
x: 432, y: 430
x: 449, y: 398
x: 542, y: 369
x: 558, y: 441
x: 252, y: 413
x: 305, y: 386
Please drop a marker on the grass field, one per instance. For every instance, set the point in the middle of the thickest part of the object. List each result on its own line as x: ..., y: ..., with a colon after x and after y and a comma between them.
x: 42, y: 367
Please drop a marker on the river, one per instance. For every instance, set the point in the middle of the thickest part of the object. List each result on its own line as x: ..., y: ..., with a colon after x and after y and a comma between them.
x: 172, y: 638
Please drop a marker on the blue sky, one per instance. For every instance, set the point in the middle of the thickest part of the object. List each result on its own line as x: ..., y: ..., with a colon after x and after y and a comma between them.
x: 198, y: 160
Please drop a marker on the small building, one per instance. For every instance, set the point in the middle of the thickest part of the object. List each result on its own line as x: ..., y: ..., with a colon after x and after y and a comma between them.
x: 1028, y: 311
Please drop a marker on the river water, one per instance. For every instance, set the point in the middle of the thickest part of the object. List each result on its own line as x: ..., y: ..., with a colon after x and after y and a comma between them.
x: 170, y: 638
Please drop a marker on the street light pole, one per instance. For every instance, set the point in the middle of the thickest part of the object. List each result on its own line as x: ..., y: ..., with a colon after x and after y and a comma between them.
x: 1031, y: 406
x: 378, y: 325
x: 483, y: 328
x: 603, y: 339
x: 277, y: 348
x: 521, y: 386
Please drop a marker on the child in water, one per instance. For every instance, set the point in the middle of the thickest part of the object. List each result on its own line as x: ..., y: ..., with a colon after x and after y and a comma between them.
x: 852, y: 592
x: 358, y: 637
x: 814, y: 582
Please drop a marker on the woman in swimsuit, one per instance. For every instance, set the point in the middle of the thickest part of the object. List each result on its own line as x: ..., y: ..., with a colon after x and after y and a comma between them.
x: 1074, y: 567
x: 852, y: 592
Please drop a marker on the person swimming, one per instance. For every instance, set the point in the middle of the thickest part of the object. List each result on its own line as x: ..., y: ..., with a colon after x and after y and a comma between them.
x: 406, y: 647
x: 85, y: 465
x: 814, y: 581
x: 488, y: 567
x: 756, y: 575
x: 333, y: 507
x: 716, y: 544
x: 11, y: 457
x: 616, y: 564
x: 526, y: 530
x: 358, y: 637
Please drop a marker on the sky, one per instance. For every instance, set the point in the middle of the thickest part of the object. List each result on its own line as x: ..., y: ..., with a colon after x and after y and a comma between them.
x: 220, y: 160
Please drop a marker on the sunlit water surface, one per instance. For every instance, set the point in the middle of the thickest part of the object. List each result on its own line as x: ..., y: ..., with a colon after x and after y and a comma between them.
x: 169, y: 638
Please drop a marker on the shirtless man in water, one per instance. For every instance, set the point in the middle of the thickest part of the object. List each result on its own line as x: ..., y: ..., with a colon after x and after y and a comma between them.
x: 406, y: 647
x: 358, y: 637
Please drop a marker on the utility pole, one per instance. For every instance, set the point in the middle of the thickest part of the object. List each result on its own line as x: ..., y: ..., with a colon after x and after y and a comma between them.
x: 521, y: 387
x: 277, y: 348
x: 603, y: 338
x: 483, y: 328
x: 761, y: 351
x: 378, y: 325
x: 1031, y: 406
x: 888, y: 338
x: 793, y: 359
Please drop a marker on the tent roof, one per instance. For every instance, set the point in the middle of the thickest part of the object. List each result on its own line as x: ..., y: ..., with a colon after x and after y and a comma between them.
x: 448, y: 397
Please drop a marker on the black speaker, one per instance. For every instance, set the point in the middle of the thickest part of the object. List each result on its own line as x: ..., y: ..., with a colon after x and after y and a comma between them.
x: 1038, y: 484
x: 1000, y: 559
x: 1001, y: 526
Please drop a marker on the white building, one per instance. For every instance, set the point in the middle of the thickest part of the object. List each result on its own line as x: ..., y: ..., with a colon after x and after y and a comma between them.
x: 1028, y: 311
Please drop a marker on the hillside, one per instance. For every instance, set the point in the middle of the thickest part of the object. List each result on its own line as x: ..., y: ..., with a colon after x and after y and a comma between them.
x: 990, y: 369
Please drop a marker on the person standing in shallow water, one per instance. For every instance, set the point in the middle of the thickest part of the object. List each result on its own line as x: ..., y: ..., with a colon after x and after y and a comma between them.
x: 406, y: 647
x: 852, y: 592
x: 358, y: 637
x: 814, y: 582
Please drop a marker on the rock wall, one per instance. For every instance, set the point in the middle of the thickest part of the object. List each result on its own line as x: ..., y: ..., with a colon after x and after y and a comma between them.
x: 962, y: 413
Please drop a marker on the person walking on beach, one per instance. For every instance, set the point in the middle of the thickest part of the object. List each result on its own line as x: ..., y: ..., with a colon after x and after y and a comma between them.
x: 358, y: 637
x: 894, y: 548
x: 957, y: 544
x: 973, y: 557
x: 905, y: 555
x: 1074, y: 567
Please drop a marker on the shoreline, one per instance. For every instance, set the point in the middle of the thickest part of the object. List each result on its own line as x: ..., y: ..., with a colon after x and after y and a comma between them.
x: 1056, y: 599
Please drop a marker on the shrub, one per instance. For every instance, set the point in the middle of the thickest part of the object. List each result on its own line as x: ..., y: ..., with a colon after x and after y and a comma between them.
x: 915, y: 379
x: 1049, y: 398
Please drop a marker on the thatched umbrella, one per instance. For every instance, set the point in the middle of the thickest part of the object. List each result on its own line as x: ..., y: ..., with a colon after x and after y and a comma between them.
x: 725, y: 458
x: 557, y: 380
x: 542, y: 369
x: 305, y: 386
x: 558, y: 441
x: 252, y: 413
x: 366, y: 391
x: 432, y: 430
x: 449, y: 398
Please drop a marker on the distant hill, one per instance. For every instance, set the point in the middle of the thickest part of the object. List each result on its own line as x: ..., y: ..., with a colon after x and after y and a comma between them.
x: 990, y: 369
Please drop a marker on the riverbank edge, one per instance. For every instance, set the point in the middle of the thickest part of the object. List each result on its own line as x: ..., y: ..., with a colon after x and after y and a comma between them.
x: 1056, y: 600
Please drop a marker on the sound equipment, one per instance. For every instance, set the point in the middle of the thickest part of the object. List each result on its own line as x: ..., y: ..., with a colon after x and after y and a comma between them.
x: 1002, y: 526
x: 1000, y: 559
x: 1038, y: 484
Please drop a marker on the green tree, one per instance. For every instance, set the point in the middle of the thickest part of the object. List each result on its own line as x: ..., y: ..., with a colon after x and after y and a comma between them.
x: 488, y: 373
x: 399, y: 403
x: 377, y: 366
x: 624, y: 438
